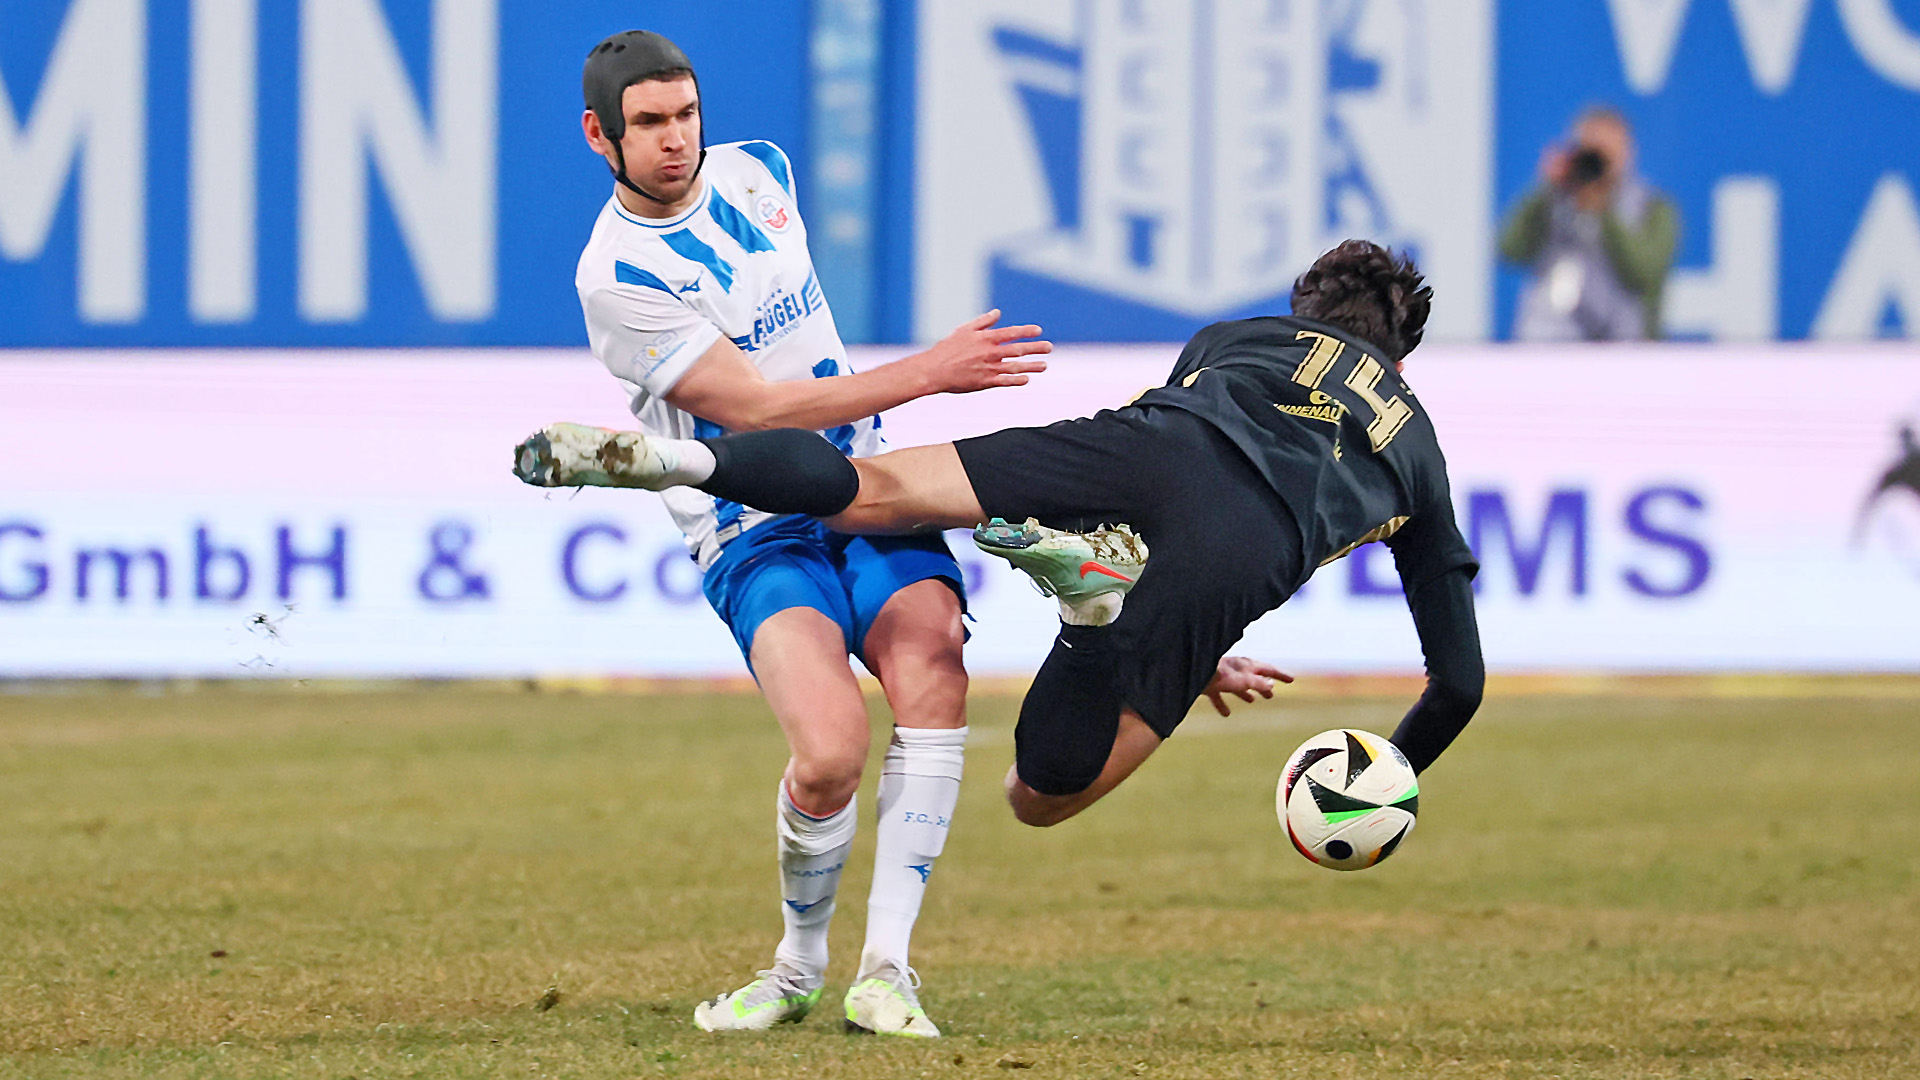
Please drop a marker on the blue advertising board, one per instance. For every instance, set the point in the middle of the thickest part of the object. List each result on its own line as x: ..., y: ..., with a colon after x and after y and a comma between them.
x: 1788, y: 133
x: 329, y: 172
x: 410, y: 172
x: 1133, y: 171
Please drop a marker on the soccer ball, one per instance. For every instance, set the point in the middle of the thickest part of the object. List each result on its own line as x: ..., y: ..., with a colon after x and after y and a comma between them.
x: 1347, y: 799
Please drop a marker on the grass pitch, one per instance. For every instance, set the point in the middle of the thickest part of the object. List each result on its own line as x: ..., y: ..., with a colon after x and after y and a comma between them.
x: 451, y: 882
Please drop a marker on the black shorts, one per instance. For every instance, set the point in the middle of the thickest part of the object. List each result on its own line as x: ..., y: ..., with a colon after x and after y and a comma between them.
x: 1223, y: 549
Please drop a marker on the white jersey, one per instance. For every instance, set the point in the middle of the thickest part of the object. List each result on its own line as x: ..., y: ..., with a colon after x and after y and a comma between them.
x: 658, y: 292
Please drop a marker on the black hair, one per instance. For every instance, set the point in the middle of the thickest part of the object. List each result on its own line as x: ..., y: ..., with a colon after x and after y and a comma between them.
x: 1368, y: 291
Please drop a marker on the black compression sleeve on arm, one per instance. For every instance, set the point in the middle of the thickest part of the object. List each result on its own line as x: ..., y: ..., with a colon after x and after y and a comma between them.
x: 783, y: 471
x: 1456, y: 673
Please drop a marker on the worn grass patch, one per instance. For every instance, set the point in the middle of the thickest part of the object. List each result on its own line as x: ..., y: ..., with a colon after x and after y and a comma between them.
x: 247, y: 883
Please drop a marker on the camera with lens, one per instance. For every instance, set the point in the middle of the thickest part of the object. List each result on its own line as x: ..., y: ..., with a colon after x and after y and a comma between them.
x: 1584, y: 167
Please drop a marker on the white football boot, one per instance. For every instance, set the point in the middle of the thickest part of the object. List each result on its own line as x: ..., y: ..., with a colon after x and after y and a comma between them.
x: 771, y: 999
x: 578, y: 455
x: 884, y: 1002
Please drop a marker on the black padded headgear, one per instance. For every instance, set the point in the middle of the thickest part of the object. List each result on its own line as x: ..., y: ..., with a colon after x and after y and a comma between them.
x: 626, y: 58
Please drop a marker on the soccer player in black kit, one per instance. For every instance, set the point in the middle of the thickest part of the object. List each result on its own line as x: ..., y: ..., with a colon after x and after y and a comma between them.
x: 1277, y: 445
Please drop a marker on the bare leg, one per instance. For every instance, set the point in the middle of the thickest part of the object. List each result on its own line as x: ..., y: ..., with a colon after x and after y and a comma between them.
x: 914, y: 647
x: 800, y: 658
x: 923, y: 487
x: 1133, y: 744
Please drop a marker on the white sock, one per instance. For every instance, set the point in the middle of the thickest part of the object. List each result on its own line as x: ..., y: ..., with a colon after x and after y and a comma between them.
x: 688, y: 461
x: 919, y: 784
x: 812, y: 852
x: 1098, y: 610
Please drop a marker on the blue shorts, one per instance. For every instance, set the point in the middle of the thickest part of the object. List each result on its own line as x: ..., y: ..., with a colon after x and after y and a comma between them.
x: 794, y: 561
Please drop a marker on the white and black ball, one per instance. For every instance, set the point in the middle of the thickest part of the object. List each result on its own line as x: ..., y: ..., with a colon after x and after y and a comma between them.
x: 1348, y: 799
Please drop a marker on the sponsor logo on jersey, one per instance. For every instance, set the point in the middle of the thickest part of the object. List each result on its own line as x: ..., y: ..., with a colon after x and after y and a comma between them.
x: 779, y: 313
x: 772, y: 213
x: 1329, y: 413
x: 661, y: 349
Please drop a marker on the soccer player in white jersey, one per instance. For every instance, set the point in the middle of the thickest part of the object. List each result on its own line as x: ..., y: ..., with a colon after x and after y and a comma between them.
x: 700, y: 298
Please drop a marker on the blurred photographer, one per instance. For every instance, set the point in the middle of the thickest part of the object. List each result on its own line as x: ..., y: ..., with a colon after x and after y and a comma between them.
x: 1598, y: 240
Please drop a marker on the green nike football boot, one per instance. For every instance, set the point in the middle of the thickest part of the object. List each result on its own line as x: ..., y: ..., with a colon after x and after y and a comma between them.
x: 1090, y: 573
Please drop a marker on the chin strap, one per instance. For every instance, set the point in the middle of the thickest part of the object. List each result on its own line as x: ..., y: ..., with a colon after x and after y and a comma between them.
x: 620, y: 174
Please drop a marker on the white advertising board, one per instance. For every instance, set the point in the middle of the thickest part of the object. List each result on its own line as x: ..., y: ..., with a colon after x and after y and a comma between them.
x: 311, y: 514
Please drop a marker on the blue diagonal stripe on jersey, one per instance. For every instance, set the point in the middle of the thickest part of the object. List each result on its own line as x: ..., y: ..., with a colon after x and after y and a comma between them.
x: 774, y: 159
x: 842, y: 436
x: 726, y: 512
x: 744, y: 232
x: 629, y: 274
x: 689, y: 246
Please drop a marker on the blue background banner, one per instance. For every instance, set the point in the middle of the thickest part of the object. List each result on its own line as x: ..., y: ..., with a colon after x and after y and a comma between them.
x: 752, y: 68
x: 1812, y: 101
x: 1788, y: 133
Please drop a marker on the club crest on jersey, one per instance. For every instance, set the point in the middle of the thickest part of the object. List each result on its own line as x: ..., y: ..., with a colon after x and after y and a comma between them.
x: 772, y: 214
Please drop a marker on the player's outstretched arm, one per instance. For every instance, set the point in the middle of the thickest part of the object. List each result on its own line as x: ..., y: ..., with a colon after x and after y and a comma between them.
x: 725, y: 387
x: 1456, y: 673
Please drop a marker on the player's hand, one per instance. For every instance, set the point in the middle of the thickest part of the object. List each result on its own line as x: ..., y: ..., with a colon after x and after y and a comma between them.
x: 1243, y: 678
x: 979, y: 355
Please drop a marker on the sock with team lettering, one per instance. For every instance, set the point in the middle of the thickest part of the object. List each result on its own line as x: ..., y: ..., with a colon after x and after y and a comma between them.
x: 919, y: 785
x: 813, y: 850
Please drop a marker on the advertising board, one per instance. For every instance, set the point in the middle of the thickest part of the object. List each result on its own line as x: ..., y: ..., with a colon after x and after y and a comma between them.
x: 329, y: 172
x: 196, y: 173
x: 1131, y: 172
x: 333, y: 514
x: 1785, y: 131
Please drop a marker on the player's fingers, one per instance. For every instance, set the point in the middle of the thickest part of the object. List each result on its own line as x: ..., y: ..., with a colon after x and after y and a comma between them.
x: 1021, y: 365
x: 999, y: 334
x: 1219, y: 705
x: 982, y: 320
x: 1244, y: 694
x: 1024, y: 348
x: 1008, y: 380
x: 1272, y: 672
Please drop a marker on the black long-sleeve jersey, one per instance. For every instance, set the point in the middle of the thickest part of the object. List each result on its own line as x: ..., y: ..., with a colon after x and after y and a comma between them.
x: 1348, y: 448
